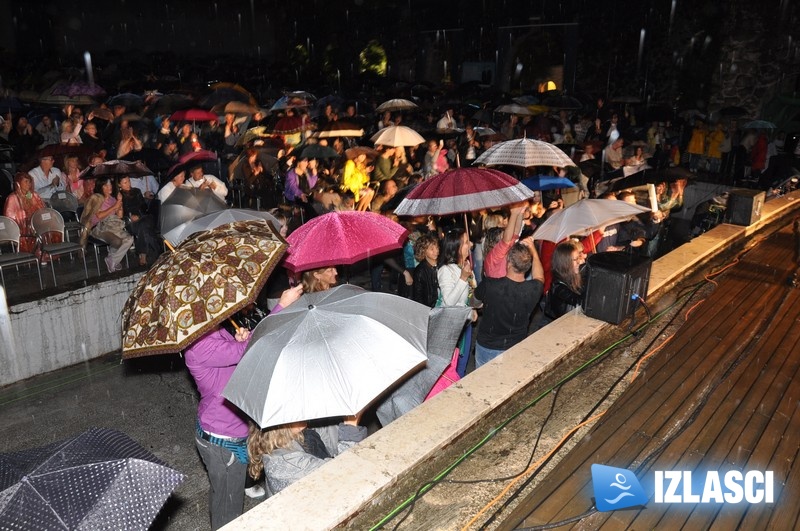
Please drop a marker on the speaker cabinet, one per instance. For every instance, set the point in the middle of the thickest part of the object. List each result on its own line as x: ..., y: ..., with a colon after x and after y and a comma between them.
x: 744, y: 206
x: 612, y: 280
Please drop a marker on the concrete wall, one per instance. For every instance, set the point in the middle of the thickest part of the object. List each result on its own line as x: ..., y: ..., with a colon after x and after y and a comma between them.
x: 48, y: 334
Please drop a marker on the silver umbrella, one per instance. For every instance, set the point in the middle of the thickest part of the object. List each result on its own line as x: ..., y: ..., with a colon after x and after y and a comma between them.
x: 329, y: 354
x: 215, y: 219
x: 185, y: 204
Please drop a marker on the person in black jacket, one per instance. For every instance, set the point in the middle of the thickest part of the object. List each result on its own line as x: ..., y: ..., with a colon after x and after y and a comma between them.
x: 566, y: 291
x: 425, y: 288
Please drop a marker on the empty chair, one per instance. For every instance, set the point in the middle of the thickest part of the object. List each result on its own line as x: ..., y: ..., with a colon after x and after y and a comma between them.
x: 67, y: 205
x: 45, y: 223
x: 9, y: 235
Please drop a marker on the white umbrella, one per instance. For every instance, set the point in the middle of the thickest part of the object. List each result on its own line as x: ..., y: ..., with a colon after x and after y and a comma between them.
x: 524, y: 152
x: 397, y: 104
x: 514, y: 108
x: 585, y: 216
x: 329, y: 354
x: 215, y: 219
x: 396, y: 136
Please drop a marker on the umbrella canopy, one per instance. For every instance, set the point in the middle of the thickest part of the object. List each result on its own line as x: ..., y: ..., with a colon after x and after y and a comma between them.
x: 463, y: 190
x: 115, y: 168
x: 562, y: 101
x: 524, y: 152
x: 483, y: 116
x: 316, y: 151
x: 224, y: 92
x: 340, y: 129
x: 294, y: 99
x: 234, y: 107
x: 193, y: 115
x: 759, y: 124
x: 320, y: 358
x: 99, y: 479
x: 397, y: 104
x: 170, y: 103
x: 205, y: 280
x: 646, y: 176
x: 185, y: 204
x: 585, y: 216
x: 339, y: 238
x: 292, y: 124
x: 126, y: 99
x: 547, y: 182
x: 180, y: 233
x: 254, y: 133
x: 103, y: 114
x: 354, y: 152
x: 396, y: 136
x: 513, y: 108
x: 48, y: 97
x: 78, y: 88
x: 59, y: 152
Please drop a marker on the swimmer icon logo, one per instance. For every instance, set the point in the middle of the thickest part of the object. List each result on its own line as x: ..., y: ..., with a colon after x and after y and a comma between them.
x: 616, y: 488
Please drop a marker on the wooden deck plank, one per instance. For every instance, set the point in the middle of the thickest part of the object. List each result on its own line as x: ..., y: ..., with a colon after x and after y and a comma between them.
x: 764, y: 274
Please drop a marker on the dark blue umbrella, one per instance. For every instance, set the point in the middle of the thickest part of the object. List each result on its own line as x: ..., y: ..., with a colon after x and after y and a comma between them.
x: 547, y: 182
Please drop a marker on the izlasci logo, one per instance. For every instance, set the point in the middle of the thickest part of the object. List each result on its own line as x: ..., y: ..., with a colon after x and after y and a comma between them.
x: 616, y: 488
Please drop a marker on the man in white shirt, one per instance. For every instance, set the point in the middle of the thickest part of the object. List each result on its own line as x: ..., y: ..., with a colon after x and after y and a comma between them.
x: 47, y: 179
x: 177, y: 181
x: 206, y: 182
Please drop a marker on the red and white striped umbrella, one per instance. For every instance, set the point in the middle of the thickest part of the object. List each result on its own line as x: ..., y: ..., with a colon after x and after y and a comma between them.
x: 524, y: 152
x: 463, y: 190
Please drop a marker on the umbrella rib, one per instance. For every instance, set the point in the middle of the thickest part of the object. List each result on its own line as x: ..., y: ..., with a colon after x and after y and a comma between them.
x: 44, y: 500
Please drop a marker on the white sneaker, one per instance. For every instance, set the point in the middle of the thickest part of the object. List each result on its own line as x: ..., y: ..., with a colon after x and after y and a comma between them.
x: 256, y: 491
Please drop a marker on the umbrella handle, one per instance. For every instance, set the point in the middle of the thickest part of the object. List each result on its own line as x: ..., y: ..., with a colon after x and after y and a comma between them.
x: 169, y: 246
x: 235, y: 325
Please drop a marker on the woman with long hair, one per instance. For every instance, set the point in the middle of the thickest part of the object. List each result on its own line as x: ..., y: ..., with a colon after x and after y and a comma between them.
x: 320, y: 279
x: 566, y: 290
x: 102, y: 218
x: 456, y: 283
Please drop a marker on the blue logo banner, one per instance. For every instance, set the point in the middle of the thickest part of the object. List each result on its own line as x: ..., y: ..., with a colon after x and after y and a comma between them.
x: 616, y: 488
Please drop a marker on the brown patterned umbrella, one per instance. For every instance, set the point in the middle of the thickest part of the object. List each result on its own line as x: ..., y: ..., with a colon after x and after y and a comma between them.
x: 205, y: 280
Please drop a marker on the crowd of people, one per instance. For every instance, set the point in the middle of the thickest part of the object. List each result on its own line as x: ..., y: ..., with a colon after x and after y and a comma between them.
x: 488, y: 260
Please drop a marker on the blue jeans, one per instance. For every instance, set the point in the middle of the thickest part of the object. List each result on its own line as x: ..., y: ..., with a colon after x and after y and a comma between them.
x: 485, y: 355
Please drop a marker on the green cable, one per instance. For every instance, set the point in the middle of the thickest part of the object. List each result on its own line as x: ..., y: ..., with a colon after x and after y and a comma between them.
x: 425, y: 488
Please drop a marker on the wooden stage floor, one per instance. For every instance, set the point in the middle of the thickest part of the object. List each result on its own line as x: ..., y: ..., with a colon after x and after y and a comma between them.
x: 723, y: 394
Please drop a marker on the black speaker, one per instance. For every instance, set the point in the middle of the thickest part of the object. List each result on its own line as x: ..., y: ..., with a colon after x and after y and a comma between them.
x: 612, y: 281
x: 744, y: 206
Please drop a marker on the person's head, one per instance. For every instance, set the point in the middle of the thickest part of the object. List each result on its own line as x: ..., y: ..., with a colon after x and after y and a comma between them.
x: 455, y: 247
x: 491, y: 238
x: 426, y: 248
x: 47, y: 121
x: 125, y: 184
x: 264, y: 442
x: 388, y: 188
x: 179, y: 178
x: 568, y: 257
x: 319, y: 279
x: 67, y: 126
x: 348, y: 201
x: 22, y: 123
x: 433, y: 145
x: 301, y: 164
x: 46, y: 163
x: 105, y: 186
x: 519, y: 259
x: 496, y: 218
x: 627, y: 196
x: 23, y: 182
x: 197, y: 173
x: 90, y: 129
x: 186, y: 130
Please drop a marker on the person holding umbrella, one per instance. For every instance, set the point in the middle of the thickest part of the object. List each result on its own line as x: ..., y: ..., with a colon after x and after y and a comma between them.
x: 222, y: 429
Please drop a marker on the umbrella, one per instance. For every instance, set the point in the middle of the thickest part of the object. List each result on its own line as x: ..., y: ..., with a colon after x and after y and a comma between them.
x: 254, y: 133
x: 47, y: 97
x: 444, y: 328
x: 226, y: 93
x: 397, y: 104
x: 562, y: 101
x: 169, y: 104
x: 234, y: 107
x: 188, y: 292
x: 339, y: 238
x: 316, y: 151
x: 328, y: 355
x: 59, y: 152
x: 585, y: 216
x: 339, y: 129
x: 210, y: 221
x: 294, y: 99
x: 485, y: 131
x: 292, y: 124
x: 463, y: 190
x: 396, y: 136
x: 513, y: 108
x: 115, y: 168
x: 547, y: 182
x: 191, y: 159
x: 759, y: 124
x: 185, y: 204
x: 99, y: 479
x: 353, y: 152
x: 103, y: 114
x: 78, y: 88
x: 126, y: 99
x: 193, y: 115
x: 525, y: 152
x: 397, y: 198
x: 483, y: 116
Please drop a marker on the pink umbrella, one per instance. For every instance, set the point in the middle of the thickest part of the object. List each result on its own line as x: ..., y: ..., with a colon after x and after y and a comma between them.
x: 193, y: 115
x: 341, y: 238
x: 463, y: 190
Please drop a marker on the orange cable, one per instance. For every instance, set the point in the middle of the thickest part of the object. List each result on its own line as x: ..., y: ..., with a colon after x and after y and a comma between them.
x: 533, y: 466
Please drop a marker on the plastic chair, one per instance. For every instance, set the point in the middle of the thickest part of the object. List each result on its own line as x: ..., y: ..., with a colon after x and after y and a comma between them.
x: 47, y: 221
x: 9, y: 234
x: 67, y: 205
